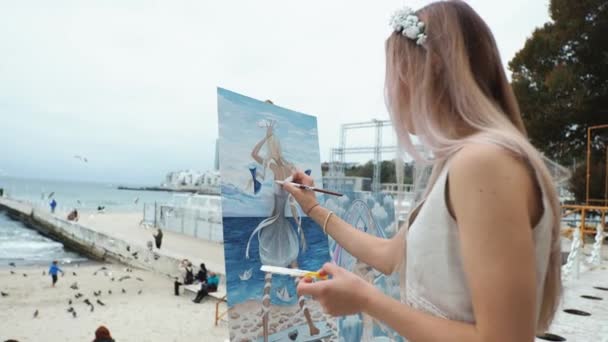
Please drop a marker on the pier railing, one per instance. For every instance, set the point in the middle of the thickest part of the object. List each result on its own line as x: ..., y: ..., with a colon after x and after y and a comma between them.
x: 584, y: 217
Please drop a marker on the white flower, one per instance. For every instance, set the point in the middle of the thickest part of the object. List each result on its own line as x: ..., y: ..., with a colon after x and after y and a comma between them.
x: 411, y: 32
x: 421, y: 39
x: 407, y: 22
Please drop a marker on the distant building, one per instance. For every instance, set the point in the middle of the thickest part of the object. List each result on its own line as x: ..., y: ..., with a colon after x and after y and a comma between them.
x: 188, y: 180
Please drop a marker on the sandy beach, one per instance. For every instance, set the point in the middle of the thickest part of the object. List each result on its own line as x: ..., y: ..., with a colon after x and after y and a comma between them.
x: 147, y: 310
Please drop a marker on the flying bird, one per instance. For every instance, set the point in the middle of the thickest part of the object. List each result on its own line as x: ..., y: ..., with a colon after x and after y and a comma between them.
x: 51, y: 195
x: 4, y: 294
x: 36, y: 313
x: 81, y: 158
x: 100, y: 303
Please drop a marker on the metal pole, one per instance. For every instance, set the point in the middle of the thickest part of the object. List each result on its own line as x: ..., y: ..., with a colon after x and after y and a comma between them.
x: 606, y: 181
x: 588, y: 160
x: 155, y: 215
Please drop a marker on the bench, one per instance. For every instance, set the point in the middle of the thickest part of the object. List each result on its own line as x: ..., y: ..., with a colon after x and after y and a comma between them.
x: 219, y: 295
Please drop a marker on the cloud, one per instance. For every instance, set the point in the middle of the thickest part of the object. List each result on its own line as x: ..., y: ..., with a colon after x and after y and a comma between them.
x: 379, y: 213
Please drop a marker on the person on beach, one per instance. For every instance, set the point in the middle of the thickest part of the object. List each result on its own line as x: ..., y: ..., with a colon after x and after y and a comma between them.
x: 207, y: 287
x: 73, y: 215
x: 53, y: 271
x: 185, y: 267
x: 53, y: 205
x: 102, y: 334
x: 201, y: 275
x: 277, y: 238
x: 482, y: 261
x: 158, y: 238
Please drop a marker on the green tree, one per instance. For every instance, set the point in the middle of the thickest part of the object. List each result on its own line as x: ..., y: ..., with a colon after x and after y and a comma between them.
x: 560, y: 79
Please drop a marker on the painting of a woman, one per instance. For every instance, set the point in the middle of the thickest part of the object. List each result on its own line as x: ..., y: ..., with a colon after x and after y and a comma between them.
x: 278, y: 240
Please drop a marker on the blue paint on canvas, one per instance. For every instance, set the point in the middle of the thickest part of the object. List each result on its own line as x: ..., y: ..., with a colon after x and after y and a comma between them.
x: 375, y: 215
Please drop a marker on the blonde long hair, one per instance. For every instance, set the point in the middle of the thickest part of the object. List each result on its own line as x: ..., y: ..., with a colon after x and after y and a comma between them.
x: 453, y: 90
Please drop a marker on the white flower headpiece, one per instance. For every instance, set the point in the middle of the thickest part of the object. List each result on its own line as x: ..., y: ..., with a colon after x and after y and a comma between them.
x: 406, y: 21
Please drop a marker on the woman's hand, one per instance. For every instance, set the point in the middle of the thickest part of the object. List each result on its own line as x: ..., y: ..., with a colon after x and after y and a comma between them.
x: 343, y: 294
x: 306, y: 199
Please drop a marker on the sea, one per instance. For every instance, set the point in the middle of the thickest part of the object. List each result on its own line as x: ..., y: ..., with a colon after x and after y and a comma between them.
x: 23, y: 245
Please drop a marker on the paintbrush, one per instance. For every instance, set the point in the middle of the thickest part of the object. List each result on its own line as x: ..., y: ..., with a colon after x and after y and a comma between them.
x: 310, y: 188
x: 292, y: 272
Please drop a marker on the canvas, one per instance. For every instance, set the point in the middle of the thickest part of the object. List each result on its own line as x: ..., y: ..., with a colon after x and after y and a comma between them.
x: 258, y: 144
x: 373, y: 213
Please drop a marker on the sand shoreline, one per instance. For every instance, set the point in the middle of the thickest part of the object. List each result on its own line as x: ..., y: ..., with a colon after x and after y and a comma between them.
x: 147, y: 310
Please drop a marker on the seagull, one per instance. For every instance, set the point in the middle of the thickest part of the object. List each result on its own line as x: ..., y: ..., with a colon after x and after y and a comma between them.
x: 128, y: 248
x: 36, y: 313
x: 100, y: 303
x: 81, y: 158
x: 138, y: 278
x: 136, y: 200
x: 12, y: 272
x: 74, y: 313
x: 12, y: 264
x: 43, y: 273
x: 51, y: 195
x: 78, y: 295
x: 74, y: 286
x: 70, y: 309
x: 124, y: 291
x: 4, y: 294
x: 70, y: 302
x: 135, y: 255
x: 92, y: 308
x: 87, y: 302
x: 124, y: 278
x: 25, y: 275
x: 112, y: 279
x: 139, y: 292
x: 96, y: 293
x: 109, y: 291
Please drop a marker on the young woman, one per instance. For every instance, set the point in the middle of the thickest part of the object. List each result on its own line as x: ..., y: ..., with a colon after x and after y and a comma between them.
x: 278, y: 240
x: 482, y: 261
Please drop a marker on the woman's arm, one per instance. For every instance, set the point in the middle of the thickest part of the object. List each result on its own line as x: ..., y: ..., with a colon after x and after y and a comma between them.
x: 493, y: 198
x: 381, y: 254
x: 255, y: 153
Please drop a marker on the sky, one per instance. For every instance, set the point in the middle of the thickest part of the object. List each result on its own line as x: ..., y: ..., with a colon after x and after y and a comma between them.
x: 131, y: 84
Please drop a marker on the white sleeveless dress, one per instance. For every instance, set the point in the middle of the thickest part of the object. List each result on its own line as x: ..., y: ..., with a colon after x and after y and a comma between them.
x: 435, y: 280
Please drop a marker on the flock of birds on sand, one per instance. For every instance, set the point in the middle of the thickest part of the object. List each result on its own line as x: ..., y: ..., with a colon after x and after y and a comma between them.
x: 78, y: 295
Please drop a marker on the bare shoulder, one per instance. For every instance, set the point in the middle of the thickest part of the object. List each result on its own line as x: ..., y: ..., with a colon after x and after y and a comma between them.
x: 491, y: 179
x: 480, y: 163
